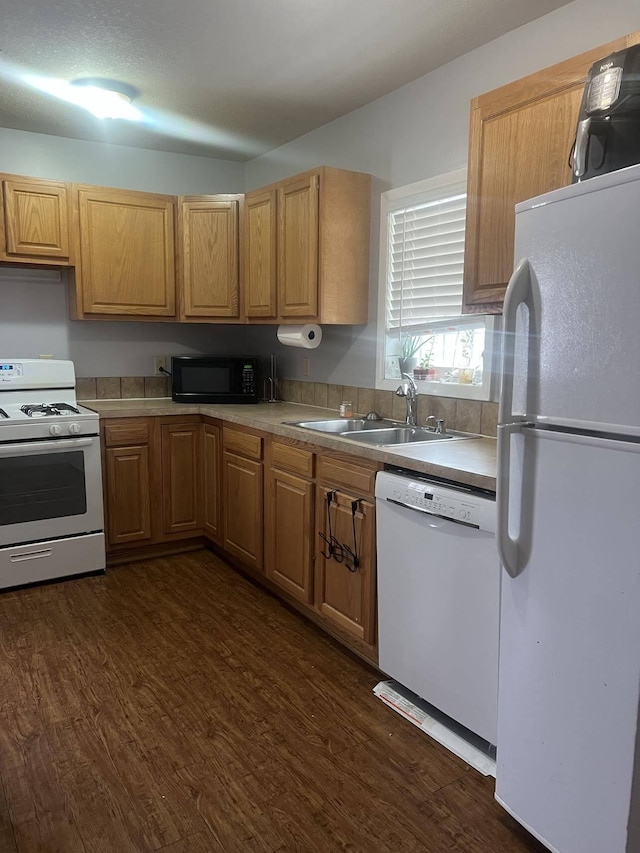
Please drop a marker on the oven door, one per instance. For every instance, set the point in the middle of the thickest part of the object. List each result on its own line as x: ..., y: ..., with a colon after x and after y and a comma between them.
x: 50, y: 489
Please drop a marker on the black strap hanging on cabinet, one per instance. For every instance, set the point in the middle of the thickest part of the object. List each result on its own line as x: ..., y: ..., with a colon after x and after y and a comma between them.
x: 334, y: 548
x: 354, y: 563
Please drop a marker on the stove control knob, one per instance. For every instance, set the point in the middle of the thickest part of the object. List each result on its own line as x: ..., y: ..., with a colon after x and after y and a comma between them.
x: 55, y: 429
x: 74, y: 429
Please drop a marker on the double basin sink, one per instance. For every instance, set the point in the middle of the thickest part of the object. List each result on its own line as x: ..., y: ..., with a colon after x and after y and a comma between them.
x: 381, y: 433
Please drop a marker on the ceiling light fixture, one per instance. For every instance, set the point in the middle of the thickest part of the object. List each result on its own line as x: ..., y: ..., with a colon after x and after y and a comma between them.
x: 105, y: 98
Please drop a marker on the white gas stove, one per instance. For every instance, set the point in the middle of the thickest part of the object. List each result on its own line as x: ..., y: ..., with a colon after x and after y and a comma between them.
x: 51, y: 517
x: 38, y: 400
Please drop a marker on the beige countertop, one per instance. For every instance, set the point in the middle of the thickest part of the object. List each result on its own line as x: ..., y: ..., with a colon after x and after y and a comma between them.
x: 469, y: 461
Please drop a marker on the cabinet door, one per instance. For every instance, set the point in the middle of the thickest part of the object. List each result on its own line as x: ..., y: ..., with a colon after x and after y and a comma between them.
x: 212, y: 484
x: 36, y: 218
x: 209, y: 263
x: 127, y: 494
x: 181, y: 477
x: 520, y: 140
x: 127, y: 253
x: 298, y: 248
x: 243, y: 506
x: 289, y: 533
x: 344, y: 593
x: 260, y: 254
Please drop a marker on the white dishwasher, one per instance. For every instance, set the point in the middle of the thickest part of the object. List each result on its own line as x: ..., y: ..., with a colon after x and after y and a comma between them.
x: 439, y: 595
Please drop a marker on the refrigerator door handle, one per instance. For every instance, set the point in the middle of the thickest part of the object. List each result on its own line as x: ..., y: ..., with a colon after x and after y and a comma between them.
x: 508, y: 546
x: 518, y: 292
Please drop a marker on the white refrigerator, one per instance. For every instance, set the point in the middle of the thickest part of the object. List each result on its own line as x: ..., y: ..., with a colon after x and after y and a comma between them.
x: 568, y: 745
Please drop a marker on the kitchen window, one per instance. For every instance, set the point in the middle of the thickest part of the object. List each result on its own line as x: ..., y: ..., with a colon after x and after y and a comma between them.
x: 421, y: 329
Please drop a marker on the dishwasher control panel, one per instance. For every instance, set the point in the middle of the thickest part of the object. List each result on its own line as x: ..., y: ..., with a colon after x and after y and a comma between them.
x: 432, y: 498
x: 429, y: 498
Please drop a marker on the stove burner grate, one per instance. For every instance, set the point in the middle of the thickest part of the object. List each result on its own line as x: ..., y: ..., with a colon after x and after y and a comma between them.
x: 45, y: 410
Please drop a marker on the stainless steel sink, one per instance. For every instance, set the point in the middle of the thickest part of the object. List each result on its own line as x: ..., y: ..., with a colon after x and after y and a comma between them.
x: 403, y: 435
x: 378, y: 433
x: 337, y: 426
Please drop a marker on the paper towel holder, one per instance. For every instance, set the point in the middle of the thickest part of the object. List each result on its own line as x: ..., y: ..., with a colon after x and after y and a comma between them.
x: 307, y: 336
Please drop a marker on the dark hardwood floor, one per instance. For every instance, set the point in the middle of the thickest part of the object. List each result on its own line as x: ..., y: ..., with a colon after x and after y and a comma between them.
x: 172, y: 705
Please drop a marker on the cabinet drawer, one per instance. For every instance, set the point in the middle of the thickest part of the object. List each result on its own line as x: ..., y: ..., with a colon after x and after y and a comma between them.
x: 336, y: 471
x: 118, y: 433
x: 289, y: 458
x: 242, y: 443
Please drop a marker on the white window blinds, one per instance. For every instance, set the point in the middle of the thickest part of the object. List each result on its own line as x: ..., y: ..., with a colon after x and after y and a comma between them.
x: 425, y: 258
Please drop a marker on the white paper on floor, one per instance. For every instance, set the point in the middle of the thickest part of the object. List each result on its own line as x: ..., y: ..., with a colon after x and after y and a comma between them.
x: 479, y: 760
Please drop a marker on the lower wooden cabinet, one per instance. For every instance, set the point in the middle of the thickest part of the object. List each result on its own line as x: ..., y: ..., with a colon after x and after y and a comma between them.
x: 289, y: 520
x: 128, y: 494
x: 181, y: 477
x: 152, y: 480
x: 242, y: 479
x: 345, y: 583
x: 320, y: 538
x: 211, y: 469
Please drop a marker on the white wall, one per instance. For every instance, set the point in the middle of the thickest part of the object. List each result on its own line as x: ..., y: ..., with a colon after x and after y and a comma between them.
x: 43, y: 156
x: 34, y: 321
x: 421, y: 130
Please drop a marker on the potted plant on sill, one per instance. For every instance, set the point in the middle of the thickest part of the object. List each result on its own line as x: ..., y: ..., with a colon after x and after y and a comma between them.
x: 423, y: 371
x: 410, y: 346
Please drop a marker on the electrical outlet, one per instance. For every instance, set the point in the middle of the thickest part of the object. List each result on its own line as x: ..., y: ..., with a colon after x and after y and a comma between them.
x: 159, y: 361
x: 306, y: 366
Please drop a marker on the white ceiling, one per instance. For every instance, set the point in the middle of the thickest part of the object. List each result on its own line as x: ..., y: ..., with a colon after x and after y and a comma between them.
x: 233, y: 78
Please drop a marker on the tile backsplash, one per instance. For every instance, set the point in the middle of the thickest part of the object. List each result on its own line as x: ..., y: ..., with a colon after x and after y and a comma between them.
x: 125, y: 387
x: 464, y: 415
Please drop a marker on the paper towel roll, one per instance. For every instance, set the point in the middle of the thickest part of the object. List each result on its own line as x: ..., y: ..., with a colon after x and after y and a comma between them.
x: 307, y: 336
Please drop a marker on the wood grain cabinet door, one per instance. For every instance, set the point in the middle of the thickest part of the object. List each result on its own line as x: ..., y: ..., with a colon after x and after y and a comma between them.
x: 298, y: 247
x: 127, y: 252
x: 128, y: 494
x: 345, y: 593
x: 181, y: 477
x: 519, y: 146
x: 243, y: 508
x: 289, y: 533
x: 36, y: 220
x: 260, y: 234
x: 209, y: 272
x: 212, y: 481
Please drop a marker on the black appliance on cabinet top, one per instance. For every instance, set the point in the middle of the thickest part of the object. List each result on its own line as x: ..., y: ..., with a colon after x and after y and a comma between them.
x: 214, y: 379
x: 608, y: 132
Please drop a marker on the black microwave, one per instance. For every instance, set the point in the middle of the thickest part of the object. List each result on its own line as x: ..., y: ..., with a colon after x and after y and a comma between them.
x: 214, y: 379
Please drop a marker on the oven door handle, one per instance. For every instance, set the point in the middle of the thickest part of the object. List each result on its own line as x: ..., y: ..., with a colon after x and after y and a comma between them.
x: 62, y: 444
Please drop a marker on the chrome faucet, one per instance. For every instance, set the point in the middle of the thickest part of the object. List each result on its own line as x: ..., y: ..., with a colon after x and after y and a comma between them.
x: 409, y: 390
x: 438, y: 428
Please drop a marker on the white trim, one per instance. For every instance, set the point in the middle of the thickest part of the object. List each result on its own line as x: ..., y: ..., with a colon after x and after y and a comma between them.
x: 420, y: 188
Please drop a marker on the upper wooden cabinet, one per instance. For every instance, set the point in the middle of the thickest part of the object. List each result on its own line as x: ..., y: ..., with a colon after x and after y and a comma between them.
x: 260, y: 235
x: 208, y: 268
x: 520, y: 140
x: 306, y: 248
x: 298, y: 240
x: 126, y: 253
x: 34, y: 226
